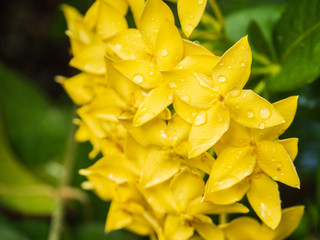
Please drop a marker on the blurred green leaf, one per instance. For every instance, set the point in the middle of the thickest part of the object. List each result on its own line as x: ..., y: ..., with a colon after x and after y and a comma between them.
x: 297, y: 41
x: 9, y: 232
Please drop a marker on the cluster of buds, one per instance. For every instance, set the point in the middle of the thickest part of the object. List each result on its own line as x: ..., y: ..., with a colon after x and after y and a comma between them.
x: 180, y: 138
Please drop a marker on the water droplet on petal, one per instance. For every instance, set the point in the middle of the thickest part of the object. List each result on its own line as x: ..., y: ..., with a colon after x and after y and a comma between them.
x: 170, y: 98
x: 229, y: 67
x: 164, y: 52
x: 172, y: 84
x: 118, y: 46
x: 185, y: 98
x: 156, y: 30
x: 151, y: 73
x: 250, y: 114
x: 175, y: 138
x: 221, y: 64
x: 262, y: 125
x: 221, y: 79
x: 236, y: 93
x: 201, y: 118
x: 264, y: 113
x: 200, y: 1
x: 242, y: 64
x: 138, y: 78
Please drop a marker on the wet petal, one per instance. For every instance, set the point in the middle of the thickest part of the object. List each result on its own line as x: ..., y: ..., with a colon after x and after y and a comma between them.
x: 193, y: 48
x: 186, y: 186
x: 153, y: 104
x: 129, y: 44
x: 231, y: 167
x: 209, y: 231
x: 175, y: 227
x: 190, y: 13
x: 204, y: 162
x: 191, y: 87
x: 142, y: 73
x: 291, y: 146
x: 90, y: 59
x: 253, y: 111
x: 159, y: 166
x: 199, y: 63
x: 233, y: 69
x: 169, y: 47
x: 275, y: 161
x: 289, y: 222
x: 178, y: 130
x: 237, y: 135
x: 214, y: 123
x: 264, y: 198
x: 154, y: 12
x: 229, y: 195
x: 184, y: 110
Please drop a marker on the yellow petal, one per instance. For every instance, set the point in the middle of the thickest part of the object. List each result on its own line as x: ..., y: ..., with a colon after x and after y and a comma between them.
x: 153, y: 104
x: 289, y: 222
x: 192, y: 48
x: 184, y: 110
x: 191, y: 87
x: 90, y: 59
x: 90, y: 18
x: 129, y: 44
x: 142, y: 73
x: 233, y: 69
x: 119, y: 5
x: 177, y: 130
x: 117, y: 218
x: 136, y: 7
x: 135, y: 151
x: 243, y: 228
x: 253, y: 111
x: 175, y: 227
x: 204, y: 162
x: 275, y: 161
x: 291, y: 146
x: 186, y: 186
x: 158, y: 167
x: 109, y: 20
x: 126, y: 89
x: 154, y: 12
x: 205, y: 133
x: 229, y: 195
x: 264, y: 198
x: 209, y: 231
x: 287, y: 108
x: 236, y: 136
x: 199, y: 63
x: 169, y: 47
x: 190, y: 13
x: 231, y: 166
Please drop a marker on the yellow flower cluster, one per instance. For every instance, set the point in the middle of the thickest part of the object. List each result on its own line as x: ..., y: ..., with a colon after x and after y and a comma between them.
x: 153, y: 103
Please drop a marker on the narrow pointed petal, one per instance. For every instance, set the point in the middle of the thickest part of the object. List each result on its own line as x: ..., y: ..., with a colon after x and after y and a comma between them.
x: 159, y: 166
x: 190, y: 13
x: 186, y: 186
x: 192, y: 48
x: 237, y: 135
x: 90, y: 59
x: 214, y: 123
x: 289, y: 222
x: 90, y: 18
x: 199, y: 63
x: 229, y: 195
x: 184, y: 110
x: 231, y: 167
x: 209, y: 231
x: 120, y: 5
x: 275, y: 161
x: 233, y: 69
x: 264, y: 198
x: 191, y: 87
x: 169, y: 47
x: 242, y: 228
x: 177, y: 130
x: 117, y: 218
x: 154, y: 12
x: 176, y: 228
x: 142, y: 73
x: 136, y: 7
x: 129, y: 44
x: 204, y: 162
x: 253, y: 111
x: 153, y: 104
x: 291, y: 146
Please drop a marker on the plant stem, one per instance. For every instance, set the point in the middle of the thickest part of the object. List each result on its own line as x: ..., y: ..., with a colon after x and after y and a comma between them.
x: 58, y: 212
x: 223, y: 218
x: 272, y: 69
x: 217, y: 12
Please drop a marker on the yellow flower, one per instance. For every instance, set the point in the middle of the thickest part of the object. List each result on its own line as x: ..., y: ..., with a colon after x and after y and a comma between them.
x: 209, y: 104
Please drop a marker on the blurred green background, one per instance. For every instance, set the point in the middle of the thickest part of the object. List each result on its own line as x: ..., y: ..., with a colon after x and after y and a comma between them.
x: 36, y: 115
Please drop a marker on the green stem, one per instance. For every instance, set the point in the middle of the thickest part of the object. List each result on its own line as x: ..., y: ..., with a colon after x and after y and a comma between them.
x: 272, y: 70
x: 217, y: 12
x: 261, y: 58
x: 58, y: 212
x: 223, y: 218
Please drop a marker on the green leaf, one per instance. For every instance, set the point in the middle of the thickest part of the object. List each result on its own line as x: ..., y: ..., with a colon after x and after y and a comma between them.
x: 297, y: 41
x: 9, y: 232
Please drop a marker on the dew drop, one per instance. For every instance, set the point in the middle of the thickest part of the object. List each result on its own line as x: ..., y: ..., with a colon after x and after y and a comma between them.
x: 262, y: 125
x: 156, y: 30
x: 170, y: 98
x: 185, y: 98
x: 221, y: 79
x: 201, y: 118
x: 172, y: 84
x: 151, y: 73
x: 264, y: 113
x: 200, y: 2
x: 138, y: 78
x: 164, y: 52
x: 229, y: 67
x: 118, y: 46
x: 175, y: 138
x: 250, y: 114
x: 242, y: 64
